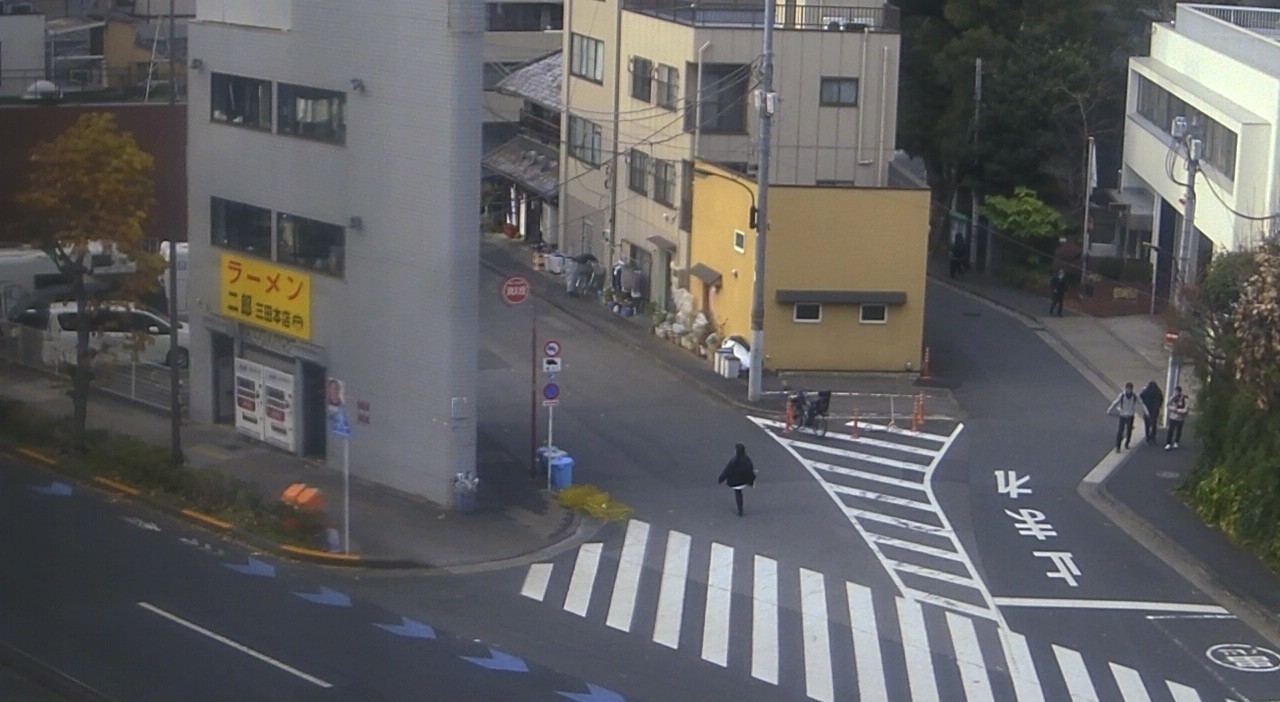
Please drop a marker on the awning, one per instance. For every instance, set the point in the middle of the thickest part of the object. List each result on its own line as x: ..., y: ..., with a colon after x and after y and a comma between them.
x: 662, y: 244
x: 705, y: 273
x: 844, y: 297
x: 531, y: 164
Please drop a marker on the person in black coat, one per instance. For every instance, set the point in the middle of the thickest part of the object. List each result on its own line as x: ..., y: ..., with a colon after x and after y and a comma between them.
x: 1153, y: 399
x: 1057, y: 291
x: 739, y: 474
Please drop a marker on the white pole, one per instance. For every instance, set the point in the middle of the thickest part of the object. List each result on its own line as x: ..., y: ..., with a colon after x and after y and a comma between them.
x: 551, y: 424
x: 346, y: 495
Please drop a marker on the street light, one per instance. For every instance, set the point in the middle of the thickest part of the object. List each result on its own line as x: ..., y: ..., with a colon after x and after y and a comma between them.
x: 175, y: 382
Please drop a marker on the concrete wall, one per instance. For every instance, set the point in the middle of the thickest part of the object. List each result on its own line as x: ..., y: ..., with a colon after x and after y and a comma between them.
x: 400, y: 326
x: 21, y: 52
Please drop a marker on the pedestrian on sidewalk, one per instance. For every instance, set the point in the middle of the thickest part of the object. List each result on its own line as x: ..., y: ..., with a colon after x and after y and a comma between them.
x: 1124, y: 407
x: 1177, y: 416
x: 1057, y: 291
x: 959, y: 255
x: 1152, y: 399
x: 739, y: 474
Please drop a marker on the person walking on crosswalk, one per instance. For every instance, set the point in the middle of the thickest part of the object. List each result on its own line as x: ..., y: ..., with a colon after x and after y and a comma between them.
x: 739, y: 474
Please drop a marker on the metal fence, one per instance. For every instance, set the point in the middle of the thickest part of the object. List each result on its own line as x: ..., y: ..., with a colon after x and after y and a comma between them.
x: 142, y: 382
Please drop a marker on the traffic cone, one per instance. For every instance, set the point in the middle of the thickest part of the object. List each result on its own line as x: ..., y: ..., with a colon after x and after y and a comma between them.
x: 925, y: 373
x: 917, y: 417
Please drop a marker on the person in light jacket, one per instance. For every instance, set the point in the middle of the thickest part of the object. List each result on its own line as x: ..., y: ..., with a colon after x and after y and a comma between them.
x: 1124, y: 407
x: 739, y: 474
x: 1152, y: 399
x: 1177, y: 415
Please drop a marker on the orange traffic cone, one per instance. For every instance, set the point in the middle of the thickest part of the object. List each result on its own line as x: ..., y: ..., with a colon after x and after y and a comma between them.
x: 917, y: 417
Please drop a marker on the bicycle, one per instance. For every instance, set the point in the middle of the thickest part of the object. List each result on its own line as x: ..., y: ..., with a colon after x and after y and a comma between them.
x: 812, y: 416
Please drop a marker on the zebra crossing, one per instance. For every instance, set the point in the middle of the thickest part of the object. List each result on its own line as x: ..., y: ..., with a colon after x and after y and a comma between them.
x: 819, y: 637
x: 882, y: 481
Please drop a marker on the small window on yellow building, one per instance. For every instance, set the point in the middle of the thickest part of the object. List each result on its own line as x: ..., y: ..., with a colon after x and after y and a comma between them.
x: 873, y: 314
x: 739, y: 241
x: 808, y: 312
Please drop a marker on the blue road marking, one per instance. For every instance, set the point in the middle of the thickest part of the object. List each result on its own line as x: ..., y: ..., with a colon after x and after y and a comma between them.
x: 253, y: 567
x: 326, y: 596
x: 409, y: 628
x: 498, y: 660
x: 54, y: 488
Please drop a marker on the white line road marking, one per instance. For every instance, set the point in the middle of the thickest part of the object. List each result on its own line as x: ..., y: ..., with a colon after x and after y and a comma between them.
x: 764, y: 621
x: 622, y: 605
x: 913, y: 546
x: 233, y: 644
x: 868, y: 475
x: 818, y: 681
x: 933, y: 574
x: 1079, y: 684
x: 535, y: 581
x: 973, y: 672
x: 956, y: 605
x: 584, y: 578
x: 857, y: 456
x: 1130, y: 684
x: 883, y: 498
x: 1022, y: 670
x: 924, y: 435
x: 894, y: 521
x: 675, y: 568
x: 866, y: 644
x: 1109, y: 604
x: 915, y: 648
x: 1182, y: 693
x: 715, y: 624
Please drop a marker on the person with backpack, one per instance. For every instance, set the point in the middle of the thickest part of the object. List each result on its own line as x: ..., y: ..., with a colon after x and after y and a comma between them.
x: 1124, y: 407
x: 1152, y: 399
x: 739, y: 474
x: 1177, y: 416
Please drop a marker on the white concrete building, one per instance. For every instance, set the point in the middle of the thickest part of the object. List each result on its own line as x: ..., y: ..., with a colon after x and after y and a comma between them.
x: 334, y: 167
x: 1218, y: 66
x: 21, y: 52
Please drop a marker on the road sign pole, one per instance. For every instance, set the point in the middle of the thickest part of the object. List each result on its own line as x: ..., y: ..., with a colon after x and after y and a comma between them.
x: 551, y: 423
x: 533, y: 392
x: 346, y: 495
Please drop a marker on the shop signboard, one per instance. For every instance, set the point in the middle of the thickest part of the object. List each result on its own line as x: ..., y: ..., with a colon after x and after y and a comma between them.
x: 280, y: 414
x: 266, y: 295
x: 250, y: 410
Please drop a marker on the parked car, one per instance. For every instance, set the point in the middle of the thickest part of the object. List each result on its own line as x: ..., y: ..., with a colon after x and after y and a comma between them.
x: 119, y: 333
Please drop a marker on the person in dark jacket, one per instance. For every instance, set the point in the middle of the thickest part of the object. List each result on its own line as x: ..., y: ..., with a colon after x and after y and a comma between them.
x: 1057, y: 291
x: 739, y: 474
x: 1153, y: 399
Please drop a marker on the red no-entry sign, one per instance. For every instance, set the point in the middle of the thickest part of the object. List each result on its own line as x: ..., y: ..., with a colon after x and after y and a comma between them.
x: 515, y: 290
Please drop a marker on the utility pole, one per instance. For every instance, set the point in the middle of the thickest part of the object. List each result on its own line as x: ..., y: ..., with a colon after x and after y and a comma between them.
x: 175, y: 380
x: 1188, y: 131
x: 768, y: 101
x: 973, y: 189
x: 615, y: 172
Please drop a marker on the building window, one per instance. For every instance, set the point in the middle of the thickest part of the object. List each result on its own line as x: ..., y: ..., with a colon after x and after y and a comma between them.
x: 641, y: 78
x: 1159, y: 106
x: 523, y: 17
x: 638, y: 171
x: 242, y: 227
x: 668, y: 86
x: 312, y: 113
x: 664, y: 182
x: 239, y: 100
x: 686, y: 195
x: 838, y: 92
x: 873, y: 314
x: 584, y: 140
x: 739, y: 241
x: 807, y: 312
x: 586, y: 58
x: 724, y: 98
x: 310, y: 244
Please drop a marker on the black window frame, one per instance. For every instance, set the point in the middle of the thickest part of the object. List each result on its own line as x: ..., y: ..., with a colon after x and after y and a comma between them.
x: 864, y: 307
x: 815, y: 318
x: 584, y: 64
x: 641, y: 78
x: 585, y: 140
x: 664, y: 188
x: 299, y: 227
x: 243, y: 212
x: 331, y: 129
x: 724, y: 101
x: 638, y: 166
x: 831, y: 91
x: 225, y: 89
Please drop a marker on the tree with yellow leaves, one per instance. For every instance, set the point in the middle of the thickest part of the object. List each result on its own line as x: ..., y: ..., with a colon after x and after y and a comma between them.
x: 90, y: 186
x: 1257, y: 325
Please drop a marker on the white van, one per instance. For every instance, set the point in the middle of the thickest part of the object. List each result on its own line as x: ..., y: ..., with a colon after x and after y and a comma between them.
x: 119, y: 333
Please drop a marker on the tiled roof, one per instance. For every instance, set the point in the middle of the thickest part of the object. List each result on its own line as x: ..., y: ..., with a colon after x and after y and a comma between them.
x: 538, y: 82
x: 533, y: 165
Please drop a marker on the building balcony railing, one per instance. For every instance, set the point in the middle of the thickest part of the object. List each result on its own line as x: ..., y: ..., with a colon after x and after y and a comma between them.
x: 749, y: 15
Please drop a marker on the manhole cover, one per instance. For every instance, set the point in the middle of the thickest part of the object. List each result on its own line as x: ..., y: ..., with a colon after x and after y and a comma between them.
x: 1168, y: 474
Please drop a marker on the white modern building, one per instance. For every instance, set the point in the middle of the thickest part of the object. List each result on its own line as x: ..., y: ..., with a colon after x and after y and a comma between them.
x: 332, y: 218
x: 21, y: 52
x: 1218, y: 67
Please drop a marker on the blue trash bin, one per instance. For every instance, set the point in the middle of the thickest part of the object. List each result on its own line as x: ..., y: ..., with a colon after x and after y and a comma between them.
x: 545, y: 454
x: 561, y: 468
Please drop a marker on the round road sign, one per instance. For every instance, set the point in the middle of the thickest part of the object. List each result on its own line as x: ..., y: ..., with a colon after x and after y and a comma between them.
x: 515, y: 290
x: 551, y: 391
x: 551, y: 348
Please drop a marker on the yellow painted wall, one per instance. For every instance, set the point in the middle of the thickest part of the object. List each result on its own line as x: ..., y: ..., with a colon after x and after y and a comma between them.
x: 867, y: 239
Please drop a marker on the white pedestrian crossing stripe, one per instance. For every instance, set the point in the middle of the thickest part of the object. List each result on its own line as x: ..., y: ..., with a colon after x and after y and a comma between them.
x: 938, y: 647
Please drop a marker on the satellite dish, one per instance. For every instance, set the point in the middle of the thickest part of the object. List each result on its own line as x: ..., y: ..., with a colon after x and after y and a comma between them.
x: 43, y: 91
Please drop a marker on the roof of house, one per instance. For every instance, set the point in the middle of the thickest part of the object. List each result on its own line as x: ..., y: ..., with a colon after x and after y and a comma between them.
x: 538, y: 81
x: 530, y: 163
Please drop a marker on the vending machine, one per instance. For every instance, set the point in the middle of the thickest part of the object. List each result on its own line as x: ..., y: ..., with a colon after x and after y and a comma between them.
x: 280, y: 412
x: 249, y: 405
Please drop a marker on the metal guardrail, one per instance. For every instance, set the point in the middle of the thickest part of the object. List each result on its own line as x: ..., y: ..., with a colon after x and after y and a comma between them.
x: 142, y: 382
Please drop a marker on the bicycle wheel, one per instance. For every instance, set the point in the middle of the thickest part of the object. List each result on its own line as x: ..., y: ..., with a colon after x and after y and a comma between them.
x: 820, y: 425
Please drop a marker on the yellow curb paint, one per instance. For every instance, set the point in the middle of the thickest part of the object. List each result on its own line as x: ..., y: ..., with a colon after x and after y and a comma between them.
x: 36, y: 455
x: 319, y: 554
x: 212, y: 521
x: 116, y: 485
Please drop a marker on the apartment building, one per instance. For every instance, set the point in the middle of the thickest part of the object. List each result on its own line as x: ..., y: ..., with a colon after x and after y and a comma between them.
x: 515, y: 33
x: 651, y: 85
x: 332, y: 210
x: 1219, y: 68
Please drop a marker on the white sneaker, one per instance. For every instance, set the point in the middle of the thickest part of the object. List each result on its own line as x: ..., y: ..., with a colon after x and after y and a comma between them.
x: 1175, y: 445
x: 1168, y: 446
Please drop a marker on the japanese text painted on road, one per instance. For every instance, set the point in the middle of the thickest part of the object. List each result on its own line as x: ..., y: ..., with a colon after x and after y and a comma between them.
x: 266, y: 295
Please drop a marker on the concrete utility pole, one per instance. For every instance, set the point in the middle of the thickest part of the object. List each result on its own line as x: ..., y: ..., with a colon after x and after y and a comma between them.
x: 1185, y: 261
x: 768, y: 101
x: 175, y: 380
x: 615, y: 173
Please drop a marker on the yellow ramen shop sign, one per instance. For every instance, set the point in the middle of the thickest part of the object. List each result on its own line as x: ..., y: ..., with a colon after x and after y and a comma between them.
x: 266, y: 295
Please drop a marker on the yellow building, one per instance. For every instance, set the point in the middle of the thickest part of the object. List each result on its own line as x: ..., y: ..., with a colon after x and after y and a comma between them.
x: 844, y: 281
